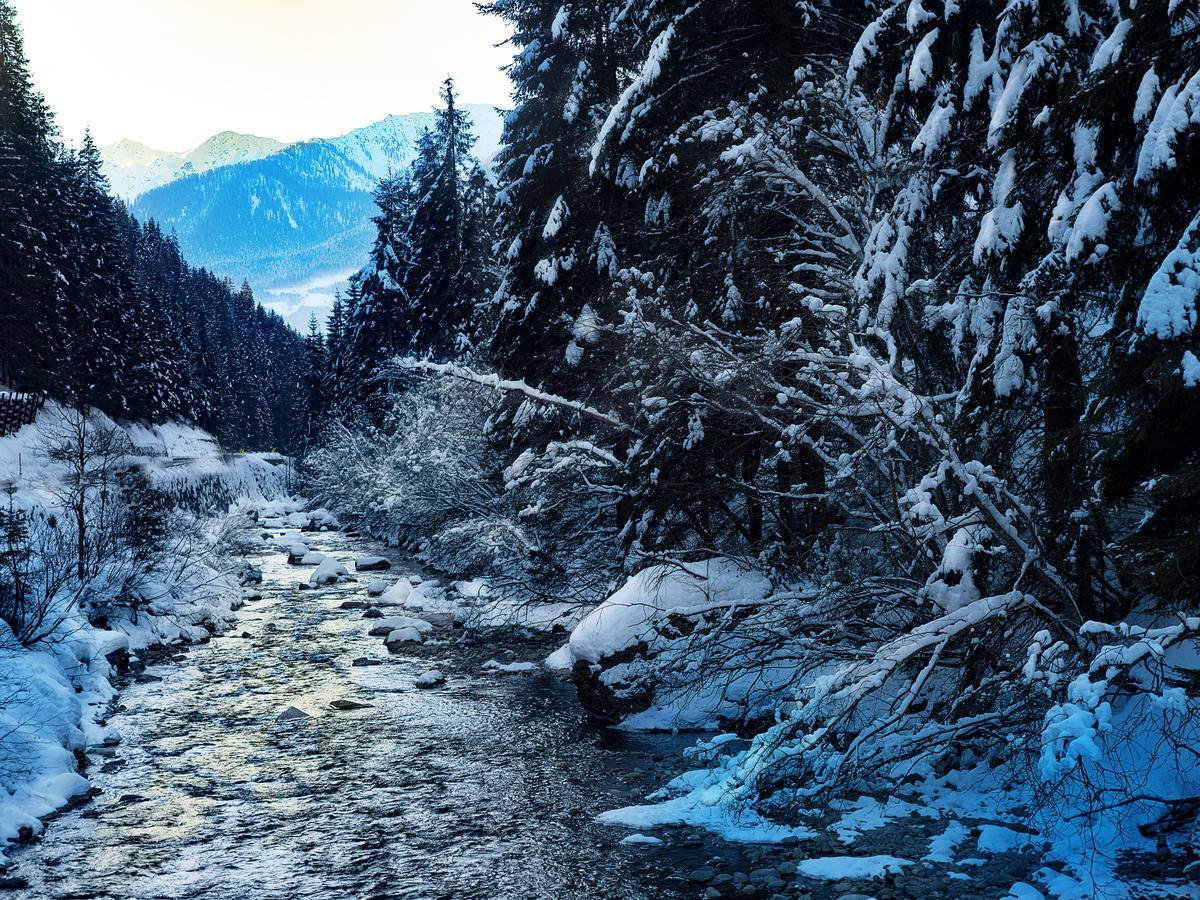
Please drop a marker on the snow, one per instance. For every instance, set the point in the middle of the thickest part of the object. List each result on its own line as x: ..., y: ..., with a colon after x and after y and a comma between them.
x: 388, y: 624
x: 328, y: 572
x: 651, y: 69
x: 921, y: 66
x: 554, y: 223
x: 1178, y: 109
x: 1168, y: 307
x: 54, y: 694
x: 429, y: 679
x: 513, y: 668
x: 628, y: 616
x: 835, y: 868
x: 942, y: 846
x: 403, y: 636
x: 1110, y: 48
x: 1190, y: 369
x: 640, y: 839
x: 560, y: 660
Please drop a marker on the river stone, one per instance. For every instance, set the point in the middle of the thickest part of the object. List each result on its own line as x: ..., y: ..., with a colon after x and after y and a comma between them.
x: 372, y: 564
x: 375, y: 587
x: 786, y: 869
x: 430, y: 679
x: 13, y: 883
x: 373, y: 613
x: 702, y: 874
x: 402, y: 636
x: 349, y: 704
x: 354, y: 604
x: 386, y: 626
x: 291, y: 714
x: 366, y: 661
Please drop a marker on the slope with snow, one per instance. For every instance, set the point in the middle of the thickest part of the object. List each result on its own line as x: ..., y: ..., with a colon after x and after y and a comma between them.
x: 294, y: 222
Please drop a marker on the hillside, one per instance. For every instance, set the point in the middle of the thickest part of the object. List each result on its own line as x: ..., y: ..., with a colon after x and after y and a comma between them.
x: 296, y: 222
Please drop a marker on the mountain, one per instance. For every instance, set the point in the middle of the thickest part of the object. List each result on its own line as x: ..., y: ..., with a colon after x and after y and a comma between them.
x: 134, y: 168
x: 297, y: 222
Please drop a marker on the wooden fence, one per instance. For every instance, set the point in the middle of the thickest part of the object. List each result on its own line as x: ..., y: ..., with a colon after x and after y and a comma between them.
x: 18, y: 410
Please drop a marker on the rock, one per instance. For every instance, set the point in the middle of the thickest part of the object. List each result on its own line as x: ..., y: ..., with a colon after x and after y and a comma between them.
x: 402, y: 636
x: 372, y: 564
x: 312, y: 558
x: 429, y: 679
x: 1192, y: 871
x: 366, y: 661
x: 292, y: 714
x: 373, y: 613
x: 787, y: 869
x: 296, y: 553
x: 328, y: 572
x: 250, y: 574
x: 790, y: 841
x: 252, y: 595
x: 376, y: 587
x: 349, y: 704
x: 702, y: 875
x: 246, y: 634
x: 389, y: 624
x: 711, y: 892
x: 13, y: 883
x: 354, y: 604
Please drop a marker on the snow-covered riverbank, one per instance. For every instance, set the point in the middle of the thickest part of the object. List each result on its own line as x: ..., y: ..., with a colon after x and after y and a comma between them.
x: 58, y: 689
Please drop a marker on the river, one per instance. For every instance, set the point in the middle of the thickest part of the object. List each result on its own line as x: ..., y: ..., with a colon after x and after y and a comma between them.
x: 484, y: 787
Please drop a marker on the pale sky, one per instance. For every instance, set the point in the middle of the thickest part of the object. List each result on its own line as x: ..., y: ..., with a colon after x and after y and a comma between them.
x: 170, y: 73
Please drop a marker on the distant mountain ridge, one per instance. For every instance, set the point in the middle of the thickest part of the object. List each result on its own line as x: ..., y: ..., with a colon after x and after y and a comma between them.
x: 134, y: 168
x: 296, y: 220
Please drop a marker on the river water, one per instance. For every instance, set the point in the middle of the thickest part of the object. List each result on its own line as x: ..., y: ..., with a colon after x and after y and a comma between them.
x: 485, y: 787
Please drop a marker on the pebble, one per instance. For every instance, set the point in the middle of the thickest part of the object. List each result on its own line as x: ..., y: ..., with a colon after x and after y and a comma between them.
x: 366, y: 661
x: 373, y: 613
x: 702, y: 874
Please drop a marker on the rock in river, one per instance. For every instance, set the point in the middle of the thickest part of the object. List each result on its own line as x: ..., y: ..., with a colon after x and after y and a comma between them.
x: 349, y: 704
x: 430, y: 679
x: 402, y: 636
x: 387, y: 625
x: 292, y: 714
x: 372, y: 564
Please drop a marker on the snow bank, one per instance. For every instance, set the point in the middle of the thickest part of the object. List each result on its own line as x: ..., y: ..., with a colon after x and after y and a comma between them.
x: 629, y: 616
x: 54, y: 694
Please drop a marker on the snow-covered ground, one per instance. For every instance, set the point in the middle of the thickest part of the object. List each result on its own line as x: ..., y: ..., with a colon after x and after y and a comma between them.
x: 55, y: 692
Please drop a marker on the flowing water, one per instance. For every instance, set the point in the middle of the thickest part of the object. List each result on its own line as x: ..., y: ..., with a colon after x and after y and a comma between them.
x: 485, y: 787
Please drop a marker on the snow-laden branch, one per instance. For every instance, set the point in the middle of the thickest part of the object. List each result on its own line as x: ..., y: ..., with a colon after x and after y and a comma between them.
x: 491, y: 380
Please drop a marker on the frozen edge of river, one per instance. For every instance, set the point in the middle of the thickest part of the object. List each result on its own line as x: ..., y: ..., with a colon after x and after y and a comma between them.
x: 55, y: 697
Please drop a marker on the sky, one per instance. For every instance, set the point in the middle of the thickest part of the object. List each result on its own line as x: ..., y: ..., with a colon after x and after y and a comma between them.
x: 171, y: 73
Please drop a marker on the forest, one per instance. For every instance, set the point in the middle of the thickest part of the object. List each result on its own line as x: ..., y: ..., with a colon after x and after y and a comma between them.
x: 833, y: 363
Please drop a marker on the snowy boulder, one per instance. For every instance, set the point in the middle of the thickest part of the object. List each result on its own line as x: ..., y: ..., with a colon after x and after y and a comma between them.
x: 376, y: 587
x: 372, y: 564
x: 328, y: 572
x: 387, y: 625
x: 312, y: 558
x: 402, y: 636
x: 396, y: 595
x: 250, y: 574
x: 430, y: 679
x: 621, y: 649
x: 296, y: 553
